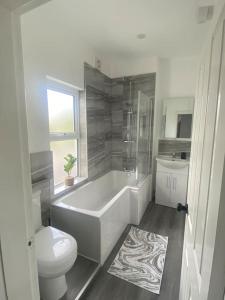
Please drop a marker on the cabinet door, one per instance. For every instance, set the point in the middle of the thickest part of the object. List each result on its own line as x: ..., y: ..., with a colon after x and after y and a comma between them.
x: 178, y: 189
x: 163, y: 184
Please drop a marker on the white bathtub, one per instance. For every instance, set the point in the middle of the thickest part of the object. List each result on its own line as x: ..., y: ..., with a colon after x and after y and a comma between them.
x: 97, y: 213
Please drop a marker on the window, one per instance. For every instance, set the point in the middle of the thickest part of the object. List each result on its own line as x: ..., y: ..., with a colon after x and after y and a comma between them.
x: 63, y: 128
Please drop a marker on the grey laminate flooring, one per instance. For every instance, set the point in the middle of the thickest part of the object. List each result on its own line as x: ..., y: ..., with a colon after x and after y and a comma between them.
x: 78, y: 276
x: 159, y: 219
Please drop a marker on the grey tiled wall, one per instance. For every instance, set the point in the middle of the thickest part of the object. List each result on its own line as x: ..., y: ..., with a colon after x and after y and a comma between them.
x: 83, y: 166
x: 99, y: 120
x: 168, y: 147
x: 108, y: 101
x: 41, y: 177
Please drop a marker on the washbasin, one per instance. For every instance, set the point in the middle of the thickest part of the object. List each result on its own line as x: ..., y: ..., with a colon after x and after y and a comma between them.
x: 172, y: 163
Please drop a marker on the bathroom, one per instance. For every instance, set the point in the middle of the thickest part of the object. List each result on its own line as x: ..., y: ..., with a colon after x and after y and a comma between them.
x: 112, y: 140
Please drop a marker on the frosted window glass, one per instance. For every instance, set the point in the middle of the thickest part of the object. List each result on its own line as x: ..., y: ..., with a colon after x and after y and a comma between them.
x: 60, y: 149
x: 60, y: 111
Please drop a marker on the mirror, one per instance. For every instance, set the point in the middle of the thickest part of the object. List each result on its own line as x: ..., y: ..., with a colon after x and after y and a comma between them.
x: 177, y: 118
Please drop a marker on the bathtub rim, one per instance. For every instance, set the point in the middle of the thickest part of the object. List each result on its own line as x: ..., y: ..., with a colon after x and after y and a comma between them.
x: 97, y: 213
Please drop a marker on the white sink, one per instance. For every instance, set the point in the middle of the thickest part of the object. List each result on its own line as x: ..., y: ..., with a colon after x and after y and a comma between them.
x: 172, y: 163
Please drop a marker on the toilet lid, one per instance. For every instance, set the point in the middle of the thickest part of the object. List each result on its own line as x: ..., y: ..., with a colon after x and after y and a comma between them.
x: 55, y: 250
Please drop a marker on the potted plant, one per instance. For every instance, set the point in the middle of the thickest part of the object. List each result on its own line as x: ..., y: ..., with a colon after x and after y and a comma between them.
x: 70, y: 162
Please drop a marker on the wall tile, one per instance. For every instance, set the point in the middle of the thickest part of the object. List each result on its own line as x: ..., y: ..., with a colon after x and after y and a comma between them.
x: 41, y: 166
x: 42, y: 177
x: 117, y: 162
x: 99, y: 121
x: 174, y: 146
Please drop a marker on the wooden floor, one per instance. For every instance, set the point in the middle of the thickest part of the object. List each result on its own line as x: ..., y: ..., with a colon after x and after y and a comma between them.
x: 157, y: 219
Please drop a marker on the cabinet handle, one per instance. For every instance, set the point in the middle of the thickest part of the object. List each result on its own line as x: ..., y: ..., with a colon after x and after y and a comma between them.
x: 167, y: 181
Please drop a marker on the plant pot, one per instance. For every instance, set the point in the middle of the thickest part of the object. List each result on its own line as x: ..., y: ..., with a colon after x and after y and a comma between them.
x: 69, y: 181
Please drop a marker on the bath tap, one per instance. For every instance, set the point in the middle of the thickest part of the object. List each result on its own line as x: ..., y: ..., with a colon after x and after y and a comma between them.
x: 129, y: 172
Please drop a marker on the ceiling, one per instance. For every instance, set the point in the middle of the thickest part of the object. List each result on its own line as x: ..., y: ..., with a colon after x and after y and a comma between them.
x: 111, y: 26
x: 13, y: 4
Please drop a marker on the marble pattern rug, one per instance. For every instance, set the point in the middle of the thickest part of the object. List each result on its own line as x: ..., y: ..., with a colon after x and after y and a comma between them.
x: 141, y: 259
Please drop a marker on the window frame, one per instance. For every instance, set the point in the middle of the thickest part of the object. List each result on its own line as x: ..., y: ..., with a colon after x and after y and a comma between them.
x: 68, y: 89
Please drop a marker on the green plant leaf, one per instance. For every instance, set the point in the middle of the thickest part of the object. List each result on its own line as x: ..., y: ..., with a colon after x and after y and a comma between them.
x: 70, y: 162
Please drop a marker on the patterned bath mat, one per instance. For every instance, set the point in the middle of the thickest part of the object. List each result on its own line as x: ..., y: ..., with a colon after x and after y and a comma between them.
x: 141, y: 259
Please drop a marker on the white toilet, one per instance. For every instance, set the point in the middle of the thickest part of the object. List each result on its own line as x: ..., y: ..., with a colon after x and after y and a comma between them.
x: 56, y: 252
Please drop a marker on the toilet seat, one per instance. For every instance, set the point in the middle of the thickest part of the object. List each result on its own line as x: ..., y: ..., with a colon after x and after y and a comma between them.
x: 56, y: 252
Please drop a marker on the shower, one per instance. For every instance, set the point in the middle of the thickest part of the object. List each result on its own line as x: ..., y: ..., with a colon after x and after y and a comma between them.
x: 137, y: 132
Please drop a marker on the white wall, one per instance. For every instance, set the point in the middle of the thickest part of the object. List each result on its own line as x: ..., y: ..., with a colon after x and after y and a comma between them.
x: 50, y: 48
x: 179, y: 76
x: 176, y: 78
x: 123, y: 66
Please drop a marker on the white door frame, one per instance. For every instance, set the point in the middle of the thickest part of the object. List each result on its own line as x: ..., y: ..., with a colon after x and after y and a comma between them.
x: 206, y: 281
x: 2, y: 279
x: 19, y: 275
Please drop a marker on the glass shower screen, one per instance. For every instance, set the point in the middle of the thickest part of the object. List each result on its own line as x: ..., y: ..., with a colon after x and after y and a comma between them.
x: 143, y: 142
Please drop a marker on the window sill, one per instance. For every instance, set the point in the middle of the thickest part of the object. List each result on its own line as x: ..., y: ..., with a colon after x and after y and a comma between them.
x: 61, y: 190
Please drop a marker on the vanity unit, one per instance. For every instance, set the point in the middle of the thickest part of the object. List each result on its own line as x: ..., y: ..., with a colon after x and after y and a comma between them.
x: 171, y: 181
x: 172, y: 172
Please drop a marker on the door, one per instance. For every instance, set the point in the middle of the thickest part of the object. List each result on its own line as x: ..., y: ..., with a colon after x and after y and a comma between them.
x: 18, y: 257
x: 206, y: 172
x: 163, y: 188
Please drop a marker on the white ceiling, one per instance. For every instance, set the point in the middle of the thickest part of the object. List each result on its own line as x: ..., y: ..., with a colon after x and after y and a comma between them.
x: 13, y: 4
x: 111, y: 26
